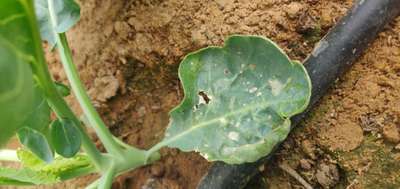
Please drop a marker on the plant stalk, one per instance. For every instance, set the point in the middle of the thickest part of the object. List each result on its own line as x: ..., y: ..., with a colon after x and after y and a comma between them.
x: 72, y: 74
x: 90, y: 112
x: 107, y: 179
x: 60, y: 107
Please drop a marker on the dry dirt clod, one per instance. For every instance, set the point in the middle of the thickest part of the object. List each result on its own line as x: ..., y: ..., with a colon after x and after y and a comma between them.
x: 397, y: 147
x: 326, y: 18
x: 293, y: 9
x: 104, y: 88
x: 306, y: 24
x: 141, y: 111
x: 396, y: 157
x: 391, y: 133
x: 151, y: 184
x: 224, y: 3
x: 157, y: 170
x: 369, y: 123
x: 308, y: 148
x: 327, y: 175
x: 305, y: 164
x: 345, y: 136
x: 122, y: 29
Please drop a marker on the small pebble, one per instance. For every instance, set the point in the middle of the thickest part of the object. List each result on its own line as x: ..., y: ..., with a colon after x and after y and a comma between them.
x: 327, y: 175
x: 293, y: 9
x: 391, y: 133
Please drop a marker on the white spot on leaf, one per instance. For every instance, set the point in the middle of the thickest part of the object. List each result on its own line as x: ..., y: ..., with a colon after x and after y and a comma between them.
x: 276, y: 86
x: 228, y: 150
x: 233, y: 135
x: 253, y: 89
x: 223, y: 121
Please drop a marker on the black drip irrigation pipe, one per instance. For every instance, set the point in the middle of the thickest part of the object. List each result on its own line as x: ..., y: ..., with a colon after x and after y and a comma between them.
x: 333, y: 55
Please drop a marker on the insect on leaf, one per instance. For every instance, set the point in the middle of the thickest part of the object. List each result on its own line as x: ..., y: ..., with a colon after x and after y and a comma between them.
x: 66, y: 137
x: 16, y: 55
x: 238, y: 100
x: 67, y: 14
x: 36, y: 142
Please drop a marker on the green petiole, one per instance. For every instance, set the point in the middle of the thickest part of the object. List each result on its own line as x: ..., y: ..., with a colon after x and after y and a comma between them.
x: 58, y: 104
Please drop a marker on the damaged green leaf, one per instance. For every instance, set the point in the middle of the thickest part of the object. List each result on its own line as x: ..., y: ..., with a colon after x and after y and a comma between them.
x: 238, y: 100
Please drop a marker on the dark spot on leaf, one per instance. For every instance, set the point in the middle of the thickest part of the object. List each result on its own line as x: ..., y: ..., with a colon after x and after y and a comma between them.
x: 204, y: 96
x: 226, y: 71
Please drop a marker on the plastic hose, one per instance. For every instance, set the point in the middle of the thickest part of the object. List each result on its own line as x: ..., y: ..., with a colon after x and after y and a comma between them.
x: 331, y: 57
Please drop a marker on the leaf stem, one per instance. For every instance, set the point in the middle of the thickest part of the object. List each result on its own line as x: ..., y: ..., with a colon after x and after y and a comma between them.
x: 107, y: 179
x: 135, y: 158
x: 93, y: 185
x: 90, y: 112
x: 154, y: 150
x: 78, y: 172
x: 58, y: 104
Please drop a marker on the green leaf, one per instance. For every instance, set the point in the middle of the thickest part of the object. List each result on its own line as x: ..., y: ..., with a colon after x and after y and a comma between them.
x: 30, y: 160
x: 39, y: 118
x: 66, y: 137
x: 36, y: 171
x: 16, y: 53
x: 10, y: 176
x: 67, y: 14
x: 238, y: 100
x: 36, y: 142
x: 35, y: 133
x: 62, y: 89
x: 60, y: 166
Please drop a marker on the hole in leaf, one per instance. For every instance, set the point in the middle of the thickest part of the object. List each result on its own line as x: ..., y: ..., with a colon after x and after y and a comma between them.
x: 204, y: 97
x: 226, y: 72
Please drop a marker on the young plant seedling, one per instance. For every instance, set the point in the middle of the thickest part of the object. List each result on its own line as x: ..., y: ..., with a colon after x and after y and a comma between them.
x: 237, y: 106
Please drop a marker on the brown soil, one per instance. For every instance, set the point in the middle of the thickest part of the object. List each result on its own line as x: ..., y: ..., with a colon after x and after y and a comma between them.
x: 128, y: 52
x: 355, y: 128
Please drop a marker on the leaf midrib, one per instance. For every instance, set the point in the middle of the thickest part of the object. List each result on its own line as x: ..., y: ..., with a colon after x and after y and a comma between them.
x: 248, y: 108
